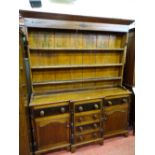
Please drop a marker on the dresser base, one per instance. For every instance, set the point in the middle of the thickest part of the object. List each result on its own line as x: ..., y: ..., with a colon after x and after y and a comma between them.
x: 97, y: 141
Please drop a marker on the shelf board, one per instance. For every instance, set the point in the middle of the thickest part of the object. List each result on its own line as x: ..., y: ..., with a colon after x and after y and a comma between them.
x: 76, y: 66
x: 77, y: 49
x: 76, y: 81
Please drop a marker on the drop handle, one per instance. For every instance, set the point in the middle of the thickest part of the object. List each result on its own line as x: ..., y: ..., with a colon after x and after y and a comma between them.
x: 62, y: 109
x: 124, y: 100
x: 81, y: 138
x: 109, y: 102
x: 96, y: 106
x: 95, y: 125
x: 80, y: 128
x: 80, y: 108
x: 42, y: 113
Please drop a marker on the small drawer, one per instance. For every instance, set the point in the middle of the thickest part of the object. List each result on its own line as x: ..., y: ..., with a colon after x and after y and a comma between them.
x: 87, y: 137
x: 83, y: 128
x: 50, y: 111
x: 87, y: 107
x: 85, y: 118
x: 115, y: 101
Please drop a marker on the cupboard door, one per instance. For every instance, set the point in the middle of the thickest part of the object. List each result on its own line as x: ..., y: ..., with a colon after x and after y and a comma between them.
x: 52, y: 131
x: 116, y: 118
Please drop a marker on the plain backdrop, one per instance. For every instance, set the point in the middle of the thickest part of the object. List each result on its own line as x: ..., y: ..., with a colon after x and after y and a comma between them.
x: 143, y: 13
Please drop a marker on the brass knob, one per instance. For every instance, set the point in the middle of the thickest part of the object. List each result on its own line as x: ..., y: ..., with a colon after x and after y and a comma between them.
x: 62, y: 109
x: 80, y: 128
x: 42, y: 113
x: 80, y: 108
x: 109, y: 102
x: 80, y: 119
x: 95, y: 135
x: 96, y: 106
x: 124, y: 100
x: 67, y: 125
x: 95, y: 125
x: 95, y: 116
x: 81, y: 138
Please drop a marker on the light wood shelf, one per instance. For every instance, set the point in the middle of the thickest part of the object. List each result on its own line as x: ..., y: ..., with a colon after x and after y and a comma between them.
x: 76, y: 81
x: 76, y: 66
x: 76, y: 49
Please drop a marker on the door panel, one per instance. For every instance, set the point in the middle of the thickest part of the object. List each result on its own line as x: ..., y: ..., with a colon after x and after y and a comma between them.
x: 116, y: 118
x: 52, y: 131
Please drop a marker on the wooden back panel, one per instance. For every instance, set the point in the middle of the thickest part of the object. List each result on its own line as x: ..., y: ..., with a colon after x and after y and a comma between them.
x: 63, y: 60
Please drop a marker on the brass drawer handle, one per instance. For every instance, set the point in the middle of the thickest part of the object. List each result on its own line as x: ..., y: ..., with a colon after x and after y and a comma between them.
x: 80, y: 108
x: 109, y: 102
x: 94, y: 116
x: 42, y: 113
x: 80, y: 128
x: 124, y: 100
x: 62, y: 109
x: 81, y: 138
x: 96, y: 106
x: 95, y: 125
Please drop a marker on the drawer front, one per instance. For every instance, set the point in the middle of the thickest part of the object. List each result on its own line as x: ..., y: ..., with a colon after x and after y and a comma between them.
x: 115, y: 101
x: 50, y: 111
x: 87, y: 137
x: 87, y: 118
x: 87, y: 107
x: 85, y: 128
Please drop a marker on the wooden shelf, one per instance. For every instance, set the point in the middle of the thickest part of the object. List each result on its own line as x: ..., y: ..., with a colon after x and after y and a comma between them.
x: 77, y: 49
x: 77, y: 66
x: 76, y: 81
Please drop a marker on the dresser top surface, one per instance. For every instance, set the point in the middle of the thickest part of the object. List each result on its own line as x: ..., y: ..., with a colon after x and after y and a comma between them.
x: 77, y: 96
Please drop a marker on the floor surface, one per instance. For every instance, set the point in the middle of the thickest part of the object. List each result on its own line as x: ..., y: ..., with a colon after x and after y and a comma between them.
x: 112, y: 146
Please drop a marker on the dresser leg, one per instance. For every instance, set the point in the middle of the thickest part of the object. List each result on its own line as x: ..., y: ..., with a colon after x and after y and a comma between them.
x: 126, y: 134
x: 73, y: 149
x: 101, y: 142
x: 68, y: 148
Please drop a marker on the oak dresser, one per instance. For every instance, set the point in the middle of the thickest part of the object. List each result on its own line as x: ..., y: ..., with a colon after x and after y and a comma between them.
x: 76, y: 70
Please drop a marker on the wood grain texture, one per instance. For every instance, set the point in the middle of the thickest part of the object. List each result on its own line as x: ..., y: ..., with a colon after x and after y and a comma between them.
x: 79, y: 95
x: 76, y: 69
x: 45, y: 131
x: 43, y: 15
x: 117, y: 114
x: 77, y: 56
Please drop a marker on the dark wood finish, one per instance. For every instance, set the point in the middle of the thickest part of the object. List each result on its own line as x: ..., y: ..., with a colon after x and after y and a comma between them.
x: 129, y: 70
x: 129, y: 74
x: 43, y: 15
x: 24, y: 129
x: 72, y: 25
